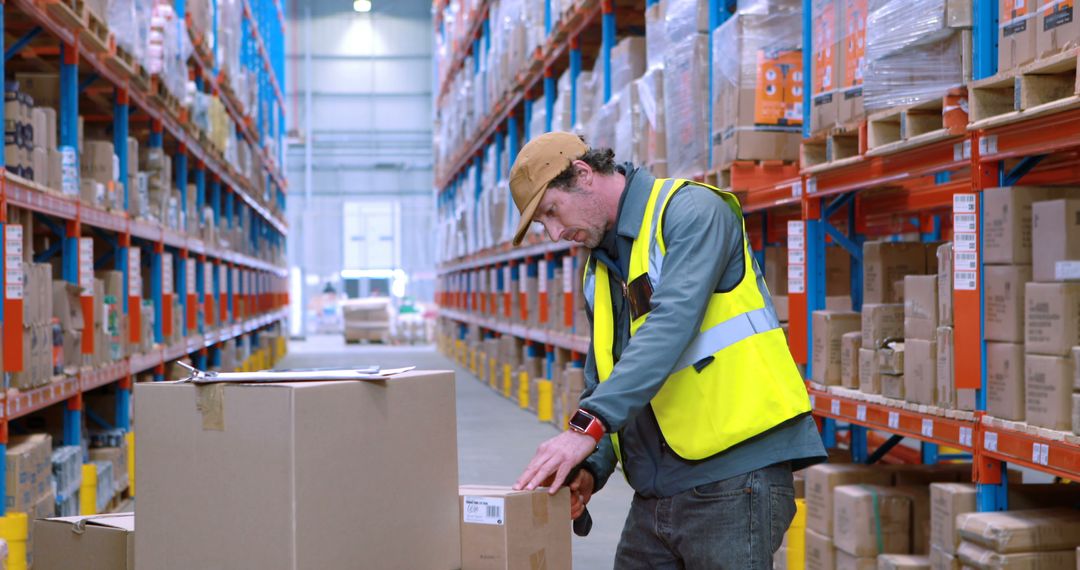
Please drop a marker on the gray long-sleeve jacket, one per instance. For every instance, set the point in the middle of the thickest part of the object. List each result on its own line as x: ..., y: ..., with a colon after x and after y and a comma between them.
x: 704, y: 239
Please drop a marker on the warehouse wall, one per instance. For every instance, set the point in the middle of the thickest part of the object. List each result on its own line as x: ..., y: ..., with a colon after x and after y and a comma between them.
x: 370, y: 129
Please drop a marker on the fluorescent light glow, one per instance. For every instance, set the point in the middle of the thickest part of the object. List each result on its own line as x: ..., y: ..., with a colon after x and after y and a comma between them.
x: 362, y: 6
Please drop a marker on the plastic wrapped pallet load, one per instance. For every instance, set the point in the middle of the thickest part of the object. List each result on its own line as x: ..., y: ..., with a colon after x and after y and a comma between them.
x: 366, y: 319
x: 686, y: 80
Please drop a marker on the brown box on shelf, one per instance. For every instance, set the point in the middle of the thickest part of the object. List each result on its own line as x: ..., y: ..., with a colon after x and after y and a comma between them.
x: 881, y: 322
x: 1052, y: 320
x: 845, y: 561
x: 1005, y: 380
x: 820, y: 552
x: 101, y: 543
x: 776, y: 273
x: 941, y: 560
x: 829, y: 327
x: 892, y: 386
x: 946, y: 381
x: 98, y: 161
x: 1017, y: 37
x: 920, y: 307
x: 1076, y: 413
x: 1076, y: 367
x: 1007, y: 220
x: 902, y: 562
x: 886, y: 262
x: 821, y: 480
x: 855, y: 506
x: 850, y: 343
x: 1037, y: 530
x: 827, y: 58
x: 869, y: 377
x: 891, y: 359
x: 43, y: 87
x: 920, y: 371
x: 944, y: 284
x: 293, y: 435
x: 1055, y: 226
x: 1004, y: 294
x: 975, y: 557
x: 781, y: 306
x: 947, y: 500
x: 28, y: 465
x: 1058, y: 29
x: 502, y: 528
x: 1048, y: 382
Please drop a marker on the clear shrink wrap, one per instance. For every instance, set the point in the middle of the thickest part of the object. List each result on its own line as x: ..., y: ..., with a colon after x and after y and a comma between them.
x: 686, y: 83
x: 653, y: 129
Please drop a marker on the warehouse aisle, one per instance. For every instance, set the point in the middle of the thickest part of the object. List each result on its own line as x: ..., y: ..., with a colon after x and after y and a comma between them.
x: 495, y: 438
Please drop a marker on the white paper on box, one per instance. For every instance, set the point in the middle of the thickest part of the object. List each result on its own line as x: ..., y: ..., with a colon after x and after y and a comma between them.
x: 567, y: 274
x: 1067, y: 271
x: 86, y: 266
x: 506, y: 279
x: 134, y: 272
x: 542, y: 275
x: 166, y: 273
x: 189, y: 273
x: 484, y: 510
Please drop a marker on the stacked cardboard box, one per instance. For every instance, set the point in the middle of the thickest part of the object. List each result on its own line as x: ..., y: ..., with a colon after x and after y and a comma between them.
x: 366, y: 319
x: 37, y: 328
x: 829, y: 330
x: 1043, y: 538
x: 29, y: 478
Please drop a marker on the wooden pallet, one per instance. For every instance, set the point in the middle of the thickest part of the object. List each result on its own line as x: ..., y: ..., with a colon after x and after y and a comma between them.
x: 1038, y: 88
x: 916, y: 125
x: 122, y: 62
x: 71, y: 13
x: 835, y: 148
x: 743, y: 176
x: 96, y: 35
x: 140, y: 78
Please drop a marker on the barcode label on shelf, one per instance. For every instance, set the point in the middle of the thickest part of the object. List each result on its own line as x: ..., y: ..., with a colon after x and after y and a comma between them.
x: 988, y: 145
x: 894, y: 420
x: 834, y: 407
x: 796, y: 190
x: 69, y: 171
x: 965, y: 436
x: 542, y: 276
x: 134, y: 272
x: 1040, y: 453
x: 796, y: 279
x: 796, y: 242
x: 236, y: 281
x: 86, y: 266
x: 189, y: 276
x: 966, y: 280
x: 795, y: 228
x: 860, y: 413
x: 927, y: 427
x: 965, y: 203
x: 484, y: 510
x: 208, y: 278
x: 506, y: 278
x: 811, y: 186
x: 966, y: 242
x: 966, y: 261
x: 523, y: 280
x: 796, y: 257
x: 13, y: 260
x: 990, y: 441
x: 965, y: 223
x: 962, y: 151
x: 166, y: 274
x: 567, y: 274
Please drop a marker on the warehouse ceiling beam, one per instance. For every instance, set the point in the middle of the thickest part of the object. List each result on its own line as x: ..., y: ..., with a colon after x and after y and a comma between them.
x: 21, y: 43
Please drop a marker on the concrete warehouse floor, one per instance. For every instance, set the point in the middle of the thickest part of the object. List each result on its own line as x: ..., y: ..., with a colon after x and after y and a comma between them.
x: 485, y: 456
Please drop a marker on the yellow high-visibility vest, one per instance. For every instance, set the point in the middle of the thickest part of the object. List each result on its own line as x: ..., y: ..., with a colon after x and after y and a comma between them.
x: 750, y: 386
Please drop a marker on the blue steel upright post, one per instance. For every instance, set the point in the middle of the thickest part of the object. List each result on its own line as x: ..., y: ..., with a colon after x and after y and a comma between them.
x: 69, y: 117
x: 607, y: 26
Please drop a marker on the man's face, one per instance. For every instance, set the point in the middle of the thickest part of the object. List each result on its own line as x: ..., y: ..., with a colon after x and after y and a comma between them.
x: 574, y: 214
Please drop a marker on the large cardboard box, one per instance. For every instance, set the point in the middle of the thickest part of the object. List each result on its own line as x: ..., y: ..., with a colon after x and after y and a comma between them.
x: 850, y: 343
x: 856, y: 512
x: 1055, y: 226
x: 947, y: 500
x: 945, y: 284
x: 881, y: 322
x: 1058, y: 28
x: 902, y: 562
x: 829, y: 328
x: 503, y: 529
x: 827, y: 58
x: 884, y: 263
x: 941, y: 560
x: 1005, y: 380
x: 338, y: 479
x: 1038, y: 530
x: 100, y: 542
x: 1048, y: 383
x: 946, y: 380
x: 821, y: 480
x: 1017, y: 36
x: 1052, y: 322
x: 920, y: 371
x: 820, y: 552
x: 920, y: 307
x: 1007, y: 218
x: 1004, y: 295
x: 28, y: 465
x: 845, y: 561
x: 869, y: 377
x: 976, y: 557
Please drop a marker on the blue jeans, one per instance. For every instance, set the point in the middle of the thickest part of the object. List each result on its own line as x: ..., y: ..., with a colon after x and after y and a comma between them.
x: 735, y: 524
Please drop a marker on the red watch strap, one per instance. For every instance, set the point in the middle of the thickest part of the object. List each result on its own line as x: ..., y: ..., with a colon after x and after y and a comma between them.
x: 595, y: 429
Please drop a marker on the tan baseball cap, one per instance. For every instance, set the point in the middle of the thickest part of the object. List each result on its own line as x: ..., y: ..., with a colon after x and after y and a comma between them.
x: 538, y: 163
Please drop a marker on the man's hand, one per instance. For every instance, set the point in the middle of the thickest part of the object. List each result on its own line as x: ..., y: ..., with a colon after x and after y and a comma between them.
x: 557, y: 456
x: 581, y: 490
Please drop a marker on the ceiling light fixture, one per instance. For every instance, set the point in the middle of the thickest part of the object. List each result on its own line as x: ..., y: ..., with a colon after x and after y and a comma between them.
x: 361, y: 6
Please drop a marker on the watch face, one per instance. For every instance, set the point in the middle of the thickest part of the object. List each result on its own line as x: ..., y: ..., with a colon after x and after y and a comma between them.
x: 581, y: 421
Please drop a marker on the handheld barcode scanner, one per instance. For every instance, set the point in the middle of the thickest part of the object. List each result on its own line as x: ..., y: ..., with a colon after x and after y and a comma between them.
x: 582, y: 524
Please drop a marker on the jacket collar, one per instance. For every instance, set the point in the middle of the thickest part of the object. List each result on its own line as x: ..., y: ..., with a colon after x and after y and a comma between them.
x: 635, y: 198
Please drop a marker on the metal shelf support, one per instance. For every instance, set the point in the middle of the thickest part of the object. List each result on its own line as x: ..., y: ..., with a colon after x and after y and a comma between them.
x: 607, y: 25
x: 121, y: 108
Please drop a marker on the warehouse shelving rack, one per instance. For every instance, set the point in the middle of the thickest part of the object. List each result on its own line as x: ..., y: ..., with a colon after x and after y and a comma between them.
x: 916, y: 189
x: 240, y: 294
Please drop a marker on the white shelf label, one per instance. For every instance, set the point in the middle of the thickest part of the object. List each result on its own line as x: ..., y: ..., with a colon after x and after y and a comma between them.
x: 189, y: 275
x: 990, y: 441
x: 965, y: 223
x: 966, y: 280
x: 13, y: 262
x: 834, y: 407
x: 542, y: 276
x: 796, y: 279
x: 567, y: 274
x: 966, y: 261
x: 989, y: 143
x: 962, y: 151
x: 235, y: 281
x: 166, y: 273
x: 484, y: 510
x: 965, y: 203
x: 208, y: 278
x: 894, y: 420
x: 796, y: 228
x: 796, y: 190
x: 506, y: 278
x: 811, y: 186
x: 86, y: 266
x: 493, y: 280
x: 927, y: 427
x: 796, y: 257
x: 860, y: 413
x: 523, y: 273
x: 1040, y: 453
x: 965, y: 436
x: 796, y: 242
x: 966, y: 242
x: 134, y: 272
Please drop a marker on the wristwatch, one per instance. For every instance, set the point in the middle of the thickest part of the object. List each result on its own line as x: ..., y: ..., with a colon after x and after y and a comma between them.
x: 586, y: 423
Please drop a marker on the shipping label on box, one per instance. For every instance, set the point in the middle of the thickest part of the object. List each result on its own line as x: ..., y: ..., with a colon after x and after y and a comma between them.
x: 1056, y: 228
x: 502, y: 528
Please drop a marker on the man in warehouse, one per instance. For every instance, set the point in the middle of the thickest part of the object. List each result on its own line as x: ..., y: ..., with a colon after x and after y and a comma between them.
x: 689, y: 381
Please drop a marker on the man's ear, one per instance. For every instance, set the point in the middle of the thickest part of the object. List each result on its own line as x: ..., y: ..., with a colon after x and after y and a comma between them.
x: 583, y: 172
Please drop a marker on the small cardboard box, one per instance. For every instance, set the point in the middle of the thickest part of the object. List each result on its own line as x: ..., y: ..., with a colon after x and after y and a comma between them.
x: 100, y: 542
x: 829, y: 328
x: 1058, y: 29
x: 892, y: 386
x: 976, y: 557
x: 946, y: 382
x: 869, y: 377
x: 941, y: 560
x: 821, y: 480
x: 845, y: 561
x: 28, y: 465
x: 1055, y: 226
x: 326, y: 454
x: 902, y: 562
x: 920, y: 371
x: 503, y: 529
x: 1004, y: 295
x: 944, y: 284
x: 884, y: 263
x: 1007, y: 219
x: 1052, y: 322
x: 947, y: 500
x: 881, y: 322
x: 1005, y: 380
x: 1048, y: 383
x: 891, y: 359
x: 820, y: 552
x: 850, y: 344
x: 1039, y: 530
x: 920, y: 307
x: 1017, y: 37
x: 856, y: 512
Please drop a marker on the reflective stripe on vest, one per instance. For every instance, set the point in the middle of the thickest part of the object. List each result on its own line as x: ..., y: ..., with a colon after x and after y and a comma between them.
x: 726, y: 334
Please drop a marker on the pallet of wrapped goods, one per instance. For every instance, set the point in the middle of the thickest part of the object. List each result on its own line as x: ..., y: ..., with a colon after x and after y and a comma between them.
x: 366, y: 319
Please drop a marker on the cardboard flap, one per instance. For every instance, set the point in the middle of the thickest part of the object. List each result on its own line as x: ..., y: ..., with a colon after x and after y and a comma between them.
x: 119, y: 521
x: 372, y: 373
